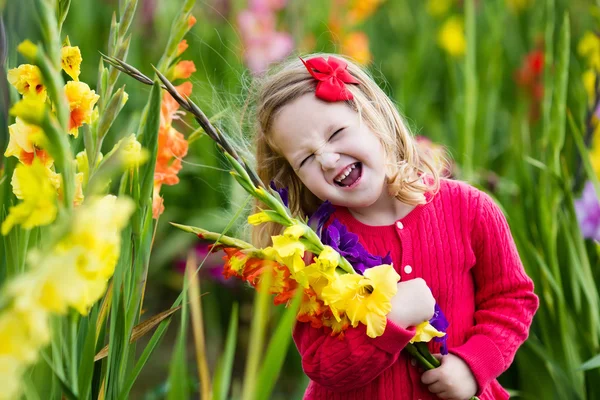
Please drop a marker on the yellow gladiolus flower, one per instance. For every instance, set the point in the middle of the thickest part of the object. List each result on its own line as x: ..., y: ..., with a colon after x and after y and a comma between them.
x: 31, y: 110
x: 132, y: 152
x: 25, y: 143
x: 373, y: 301
x: 285, y: 247
x: 364, y: 299
x: 71, y: 61
x: 589, y: 48
x: 451, y: 37
x: 10, y: 376
x: 425, y: 332
x: 27, y: 48
x: 259, y: 218
x: 340, y: 292
x: 27, y: 79
x: 320, y: 273
x: 96, y: 228
x: 589, y: 83
x: 81, y: 104
x: 39, y: 198
x: 295, y: 231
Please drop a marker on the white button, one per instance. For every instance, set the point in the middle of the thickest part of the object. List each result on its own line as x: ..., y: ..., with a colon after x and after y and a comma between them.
x: 407, y: 269
x: 413, y: 362
x: 399, y: 225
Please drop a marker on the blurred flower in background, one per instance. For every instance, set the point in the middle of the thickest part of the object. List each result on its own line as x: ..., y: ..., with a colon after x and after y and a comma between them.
x: 344, y: 26
x: 530, y: 78
x: 451, y: 37
x: 263, y: 44
x: 212, y: 268
x: 356, y: 46
x: 587, y: 209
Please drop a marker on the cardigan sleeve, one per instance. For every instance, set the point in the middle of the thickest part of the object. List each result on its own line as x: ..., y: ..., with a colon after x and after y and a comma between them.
x: 504, y: 298
x: 348, y: 363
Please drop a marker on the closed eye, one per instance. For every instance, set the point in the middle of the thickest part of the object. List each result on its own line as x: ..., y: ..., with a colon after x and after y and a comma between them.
x: 336, y: 133
x: 305, y: 160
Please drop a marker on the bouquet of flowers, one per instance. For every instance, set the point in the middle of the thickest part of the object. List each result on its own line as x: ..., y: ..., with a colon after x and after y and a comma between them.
x: 341, y: 285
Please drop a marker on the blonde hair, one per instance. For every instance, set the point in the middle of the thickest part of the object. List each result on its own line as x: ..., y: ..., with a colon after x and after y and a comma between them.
x: 289, y: 81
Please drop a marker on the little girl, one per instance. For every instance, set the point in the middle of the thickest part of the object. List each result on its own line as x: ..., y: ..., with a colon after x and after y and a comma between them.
x: 326, y: 131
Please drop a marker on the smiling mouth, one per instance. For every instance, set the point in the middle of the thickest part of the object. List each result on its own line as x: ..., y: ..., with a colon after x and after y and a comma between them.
x: 349, y: 176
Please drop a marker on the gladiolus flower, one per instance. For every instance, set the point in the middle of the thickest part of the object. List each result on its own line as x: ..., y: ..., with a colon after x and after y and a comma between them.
x: 39, y: 198
x: 24, y: 143
x: 587, y: 209
x: 425, y: 332
x: 364, y: 299
x: 81, y: 104
x: 356, y: 46
x: 27, y: 79
x: 451, y: 37
x: 183, y: 70
x: 27, y: 48
x: 71, y: 61
x: 589, y: 48
x: 158, y: 203
x: 362, y: 9
x: 259, y: 218
x: 294, y: 232
x: 181, y: 47
x: 589, y: 83
x: 191, y: 21
x: 31, y: 110
x: 132, y: 153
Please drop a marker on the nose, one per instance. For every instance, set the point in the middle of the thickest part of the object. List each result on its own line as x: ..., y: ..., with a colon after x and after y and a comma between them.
x: 327, y: 160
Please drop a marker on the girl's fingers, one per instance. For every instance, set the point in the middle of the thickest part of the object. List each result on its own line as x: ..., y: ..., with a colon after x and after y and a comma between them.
x: 429, y: 377
x: 437, y: 387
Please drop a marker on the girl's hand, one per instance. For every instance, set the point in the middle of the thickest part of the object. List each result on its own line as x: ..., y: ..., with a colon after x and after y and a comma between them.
x: 452, y: 380
x: 412, y: 304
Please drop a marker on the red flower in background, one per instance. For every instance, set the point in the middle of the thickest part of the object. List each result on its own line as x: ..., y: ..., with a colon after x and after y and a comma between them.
x: 530, y: 77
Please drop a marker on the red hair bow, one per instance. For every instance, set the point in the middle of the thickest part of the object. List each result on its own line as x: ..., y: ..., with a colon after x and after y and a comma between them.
x: 332, y: 76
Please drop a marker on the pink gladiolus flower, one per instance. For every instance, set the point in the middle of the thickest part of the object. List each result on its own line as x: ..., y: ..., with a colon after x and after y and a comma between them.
x: 266, y: 5
x: 263, y: 45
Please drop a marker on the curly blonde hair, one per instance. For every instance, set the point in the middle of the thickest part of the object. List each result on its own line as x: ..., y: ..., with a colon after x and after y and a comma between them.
x: 289, y: 81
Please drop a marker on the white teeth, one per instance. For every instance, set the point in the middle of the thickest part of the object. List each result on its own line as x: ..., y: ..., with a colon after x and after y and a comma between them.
x: 345, y: 173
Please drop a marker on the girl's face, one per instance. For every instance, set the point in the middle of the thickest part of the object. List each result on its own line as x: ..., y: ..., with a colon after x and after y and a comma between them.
x: 337, y: 157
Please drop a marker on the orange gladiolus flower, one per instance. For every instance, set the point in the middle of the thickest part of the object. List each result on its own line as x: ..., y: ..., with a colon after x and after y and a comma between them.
x: 356, y: 46
x: 158, y: 203
x: 184, y: 69
x: 191, y: 21
x: 181, y: 47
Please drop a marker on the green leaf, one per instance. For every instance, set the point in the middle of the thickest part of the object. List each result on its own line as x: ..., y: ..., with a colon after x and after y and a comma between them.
x: 178, y: 372
x: 149, y: 140
x: 86, y: 364
x: 222, y: 378
x: 277, y: 350
x: 592, y: 363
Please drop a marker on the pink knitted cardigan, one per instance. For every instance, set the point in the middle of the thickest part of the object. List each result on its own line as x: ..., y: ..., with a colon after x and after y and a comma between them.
x: 460, y: 244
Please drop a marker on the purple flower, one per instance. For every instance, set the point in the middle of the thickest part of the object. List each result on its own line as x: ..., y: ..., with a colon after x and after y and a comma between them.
x: 587, y: 209
x: 283, y: 192
x: 346, y: 243
x: 319, y: 217
x: 439, y: 322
